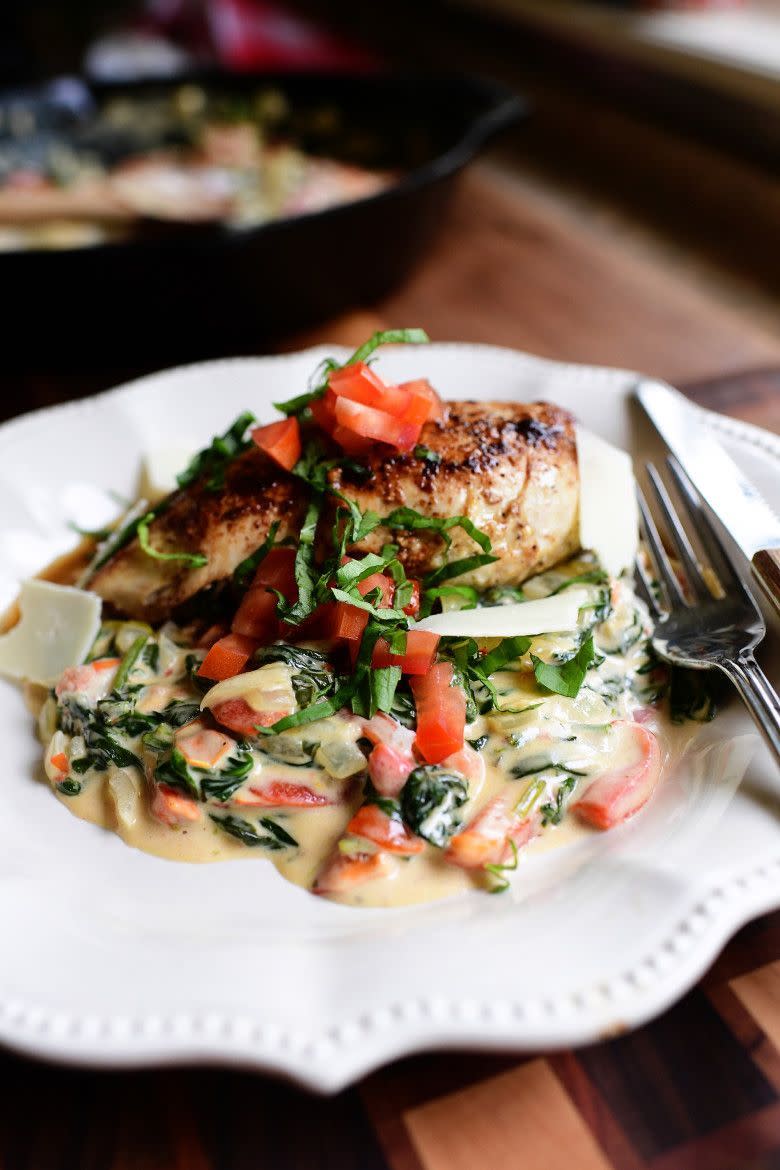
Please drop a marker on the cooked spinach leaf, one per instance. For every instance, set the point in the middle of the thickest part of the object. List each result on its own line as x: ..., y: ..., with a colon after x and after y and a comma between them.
x: 553, y: 811
x: 274, y: 838
x: 566, y: 678
x: 430, y: 800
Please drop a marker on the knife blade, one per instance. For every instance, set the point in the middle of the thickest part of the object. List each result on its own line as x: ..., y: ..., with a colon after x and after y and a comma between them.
x: 736, y: 502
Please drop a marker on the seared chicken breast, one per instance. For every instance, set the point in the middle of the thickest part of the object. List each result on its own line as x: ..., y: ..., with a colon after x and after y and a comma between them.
x: 225, y: 525
x: 510, y: 468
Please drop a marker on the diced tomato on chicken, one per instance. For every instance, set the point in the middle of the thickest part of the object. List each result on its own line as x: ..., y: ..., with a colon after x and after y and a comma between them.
x: 486, y: 839
x: 390, y: 833
x: 256, y: 615
x: 422, y: 388
x: 389, y: 769
x: 616, y: 795
x: 173, y: 807
x: 281, y: 441
x: 470, y: 764
x: 441, y: 713
x: 370, y: 423
x: 344, y: 871
x: 416, y: 659
x: 227, y: 657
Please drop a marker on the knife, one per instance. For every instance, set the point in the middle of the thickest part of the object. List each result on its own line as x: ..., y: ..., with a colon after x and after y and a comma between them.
x: 736, y: 502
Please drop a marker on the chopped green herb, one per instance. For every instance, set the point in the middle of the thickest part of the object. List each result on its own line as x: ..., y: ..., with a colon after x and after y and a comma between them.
x: 128, y: 662
x: 566, y: 678
x: 69, y: 787
x: 552, y: 811
x: 274, y: 838
x: 423, y: 452
x: 213, y: 460
x: 499, y: 872
x: 195, y: 560
x: 479, y: 742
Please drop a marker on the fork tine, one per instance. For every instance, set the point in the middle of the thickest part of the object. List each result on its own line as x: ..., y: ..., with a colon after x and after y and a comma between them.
x: 719, y: 557
x: 645, y: 590
x: 677, y: 532
x: 662, y: 563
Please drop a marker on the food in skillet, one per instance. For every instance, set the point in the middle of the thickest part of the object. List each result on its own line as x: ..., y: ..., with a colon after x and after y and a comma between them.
x: 390, y: 643
x: 190, y: 156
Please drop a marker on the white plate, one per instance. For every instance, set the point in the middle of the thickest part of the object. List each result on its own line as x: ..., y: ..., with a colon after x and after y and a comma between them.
x: 117, y: 958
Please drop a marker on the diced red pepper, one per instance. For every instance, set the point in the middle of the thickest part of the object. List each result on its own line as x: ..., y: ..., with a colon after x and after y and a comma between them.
x: 281, y: 441
x: 389, y: 769
x: 281, y: 794
x: 441, y: 713
x: 227, y: 657
x: 418, y: 657
x: 486, y: 839
x: 345, y: 870
x: 389, y: 833
x: 615, y: 796
x: 239, y: 716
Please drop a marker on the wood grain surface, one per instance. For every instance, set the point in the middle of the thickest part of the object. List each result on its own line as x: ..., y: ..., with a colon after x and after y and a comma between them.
x: 697, y: 1089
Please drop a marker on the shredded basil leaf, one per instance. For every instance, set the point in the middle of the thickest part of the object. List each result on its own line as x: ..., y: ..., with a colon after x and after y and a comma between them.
x: 423, y: 452
x: 566, y: 678
x: 195, y: 560
x: 213, y: 460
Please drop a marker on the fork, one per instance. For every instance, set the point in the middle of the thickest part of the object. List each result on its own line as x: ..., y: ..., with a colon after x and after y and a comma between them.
x: 696, y: 629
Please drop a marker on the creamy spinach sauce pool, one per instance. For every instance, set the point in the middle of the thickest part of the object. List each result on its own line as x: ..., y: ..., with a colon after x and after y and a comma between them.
x: 571, y: 731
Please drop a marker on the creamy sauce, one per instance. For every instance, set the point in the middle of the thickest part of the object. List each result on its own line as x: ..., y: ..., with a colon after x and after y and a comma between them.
x: 525, y: 752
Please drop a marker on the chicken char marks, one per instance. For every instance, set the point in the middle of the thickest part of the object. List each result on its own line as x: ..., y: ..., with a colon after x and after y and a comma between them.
x: 225, y: 525
x: 511, y: 468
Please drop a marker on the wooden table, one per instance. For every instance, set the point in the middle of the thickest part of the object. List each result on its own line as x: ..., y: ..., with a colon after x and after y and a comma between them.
x: 699, y: 1088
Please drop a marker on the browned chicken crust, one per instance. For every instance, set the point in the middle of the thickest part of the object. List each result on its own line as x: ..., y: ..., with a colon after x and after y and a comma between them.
x: 510, y: 468
x: 225, y: 525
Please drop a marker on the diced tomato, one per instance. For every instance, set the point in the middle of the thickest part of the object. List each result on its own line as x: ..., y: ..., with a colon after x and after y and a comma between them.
x: 387, y: 832
x: 172, y: 807
x: 351, y: 443
x: 323, y: 412
x: 256, y: 615
x: 281, y: 441
x: 370, y: 423
x: 486, y: 839
x: 359, y: 383
x: 615, y: 796
x: 281, y: 794
x: 380, y: 582
x: 345, y: 870
x: 239, y: 716
x: 348, y: 623
x: 412, y: 608
x: 421, y: 387
x: 201, y: 746
x: 417, y: 658
x: 227, y: 657
x: 441, y: 713
x: 389, y: 769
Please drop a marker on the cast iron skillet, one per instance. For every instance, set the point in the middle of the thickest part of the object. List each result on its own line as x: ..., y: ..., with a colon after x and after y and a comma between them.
x: 196, y: 291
